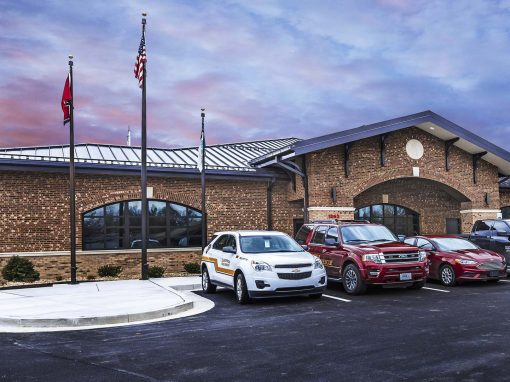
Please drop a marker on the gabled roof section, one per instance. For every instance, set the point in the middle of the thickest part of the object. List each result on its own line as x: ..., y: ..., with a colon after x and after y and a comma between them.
x: 428, y: 121
x: 233, y: 157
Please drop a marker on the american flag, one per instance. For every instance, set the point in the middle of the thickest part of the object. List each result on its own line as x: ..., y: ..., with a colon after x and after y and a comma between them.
x: 141, y: 59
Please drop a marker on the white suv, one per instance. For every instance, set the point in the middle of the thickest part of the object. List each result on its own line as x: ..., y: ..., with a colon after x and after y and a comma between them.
x: 261, y: 264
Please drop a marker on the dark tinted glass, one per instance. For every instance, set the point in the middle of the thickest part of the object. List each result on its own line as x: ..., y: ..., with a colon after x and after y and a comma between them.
x: 332, y: 233
x: 398, y: 219
x: 505, y: 211
x: 500, y: 226
x: 302, y: 234
x: 118, y: 225
x: 483, y: 228
x: 319, y: 235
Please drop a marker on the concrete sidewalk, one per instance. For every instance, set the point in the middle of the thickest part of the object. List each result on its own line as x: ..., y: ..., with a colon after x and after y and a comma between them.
x: 96, y: 304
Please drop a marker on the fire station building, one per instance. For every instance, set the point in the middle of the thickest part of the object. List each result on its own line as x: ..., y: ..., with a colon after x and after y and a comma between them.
x: 415, y: 174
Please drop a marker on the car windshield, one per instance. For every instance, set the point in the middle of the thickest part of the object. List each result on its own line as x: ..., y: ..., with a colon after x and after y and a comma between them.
x: 453, y: 244
x: 268, y: 244
x: 365, y: 233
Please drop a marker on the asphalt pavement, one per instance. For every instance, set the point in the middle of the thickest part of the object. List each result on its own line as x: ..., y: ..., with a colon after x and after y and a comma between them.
x: 433, y: 334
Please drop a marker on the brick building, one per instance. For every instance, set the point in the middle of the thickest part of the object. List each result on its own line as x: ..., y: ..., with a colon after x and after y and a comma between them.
x: 418, y: 173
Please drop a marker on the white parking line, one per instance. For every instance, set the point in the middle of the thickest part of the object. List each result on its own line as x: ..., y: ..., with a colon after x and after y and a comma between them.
x: 437, y: 290
x: 336, y: 298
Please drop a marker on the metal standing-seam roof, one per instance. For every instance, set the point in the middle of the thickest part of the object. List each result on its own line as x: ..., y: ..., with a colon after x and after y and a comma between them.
x: 226, y: 157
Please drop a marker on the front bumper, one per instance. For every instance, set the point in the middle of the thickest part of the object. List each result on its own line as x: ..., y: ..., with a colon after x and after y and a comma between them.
x: 389, y: 274
x: 268, y: 284
x: 475, y: 274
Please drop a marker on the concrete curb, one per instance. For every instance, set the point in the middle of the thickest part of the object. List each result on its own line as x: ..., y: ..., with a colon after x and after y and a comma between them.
x: 93, y: 321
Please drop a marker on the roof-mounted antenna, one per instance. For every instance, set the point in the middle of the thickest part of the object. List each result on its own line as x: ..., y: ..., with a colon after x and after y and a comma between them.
x: 129, y: 136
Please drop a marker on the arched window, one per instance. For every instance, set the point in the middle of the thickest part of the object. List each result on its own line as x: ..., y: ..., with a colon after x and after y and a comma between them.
x: 118, y: 225
x: 400, y: 220
x: 506, y: 212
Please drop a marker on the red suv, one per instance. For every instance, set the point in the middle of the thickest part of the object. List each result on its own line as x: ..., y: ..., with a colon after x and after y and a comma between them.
x: 360, y: 253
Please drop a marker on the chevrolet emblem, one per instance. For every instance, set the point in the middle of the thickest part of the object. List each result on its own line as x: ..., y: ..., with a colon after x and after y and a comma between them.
x: 296, y: 270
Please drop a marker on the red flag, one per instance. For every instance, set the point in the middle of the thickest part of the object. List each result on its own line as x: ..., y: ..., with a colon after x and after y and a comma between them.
x: 67, y: 100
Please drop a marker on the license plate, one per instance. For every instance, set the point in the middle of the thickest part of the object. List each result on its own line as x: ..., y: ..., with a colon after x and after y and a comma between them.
x: 406, y: 276
x: 493, y: 273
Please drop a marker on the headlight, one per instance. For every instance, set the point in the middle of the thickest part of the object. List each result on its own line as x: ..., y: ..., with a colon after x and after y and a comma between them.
x: 465, y: 262
x: 422, y: 255
x: 376, y: 258
x: 318, y: 264
x: 260, y: 266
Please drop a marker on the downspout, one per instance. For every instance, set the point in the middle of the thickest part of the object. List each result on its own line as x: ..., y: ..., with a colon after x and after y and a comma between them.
x: 305, y: 188
x: 269, y: 204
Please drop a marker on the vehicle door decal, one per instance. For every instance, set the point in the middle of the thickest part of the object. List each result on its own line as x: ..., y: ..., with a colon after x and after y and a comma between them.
x: 218, y: 269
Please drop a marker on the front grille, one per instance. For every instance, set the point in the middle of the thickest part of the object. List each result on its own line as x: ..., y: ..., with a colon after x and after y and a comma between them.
x: 404, y: 269
x: 294, y: 276
x: 401, y: 257
x: 491, y: 266
x: 292, y: 265
x: 291, y: 289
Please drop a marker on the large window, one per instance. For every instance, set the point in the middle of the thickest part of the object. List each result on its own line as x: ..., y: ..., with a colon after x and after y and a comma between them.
x: 400, y: 220
x: 118, y: 225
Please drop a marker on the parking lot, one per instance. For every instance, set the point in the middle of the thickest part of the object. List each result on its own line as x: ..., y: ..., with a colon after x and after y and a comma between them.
x: 433, y: 334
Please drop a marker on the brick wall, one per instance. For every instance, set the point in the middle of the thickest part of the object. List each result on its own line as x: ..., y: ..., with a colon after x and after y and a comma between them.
x: 432, y: 204
x: 55, y: 266
x: 326, y: 170
x: 34, y: 206
x: 505, y: 198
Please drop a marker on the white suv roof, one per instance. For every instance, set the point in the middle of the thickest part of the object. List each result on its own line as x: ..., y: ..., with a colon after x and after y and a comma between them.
x: 249, y: 233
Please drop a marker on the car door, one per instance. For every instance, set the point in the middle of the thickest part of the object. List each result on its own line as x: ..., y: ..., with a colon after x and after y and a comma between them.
x: 500, y: 240
x: 332, y: 256
x: 481, y: 234
x: 316, y: 244
x: 214, y: 257
x: 226, y: 261
x: 433, y: 257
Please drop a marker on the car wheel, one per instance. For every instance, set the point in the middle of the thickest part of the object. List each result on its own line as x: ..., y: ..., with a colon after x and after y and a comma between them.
x: 447, y: 275
x: 241, y: 290
x: 316, y: 296
x: 352, y: 281
x: 418, y: 285
x: 207, y: 287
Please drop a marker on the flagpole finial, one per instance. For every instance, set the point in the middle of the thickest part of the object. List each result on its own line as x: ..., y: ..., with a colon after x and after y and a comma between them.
x: 70, y: 56
x: 203, y: 114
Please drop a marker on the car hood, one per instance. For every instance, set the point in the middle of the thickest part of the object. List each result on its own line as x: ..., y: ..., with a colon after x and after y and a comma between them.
x: 479, y: 255
x: 383, y: 246
x: 279, y: 258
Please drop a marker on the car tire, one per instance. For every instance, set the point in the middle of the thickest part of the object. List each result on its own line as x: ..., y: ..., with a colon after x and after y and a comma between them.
x: 352, y: 280
x: 418, y: 285
x: 207, y: 286
x: 241, y: 290
x: 447, y: 275
x: 493, y: 281
x: 316, y: 296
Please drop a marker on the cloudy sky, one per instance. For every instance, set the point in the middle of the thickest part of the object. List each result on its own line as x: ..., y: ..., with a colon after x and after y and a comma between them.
x: 262, y: 69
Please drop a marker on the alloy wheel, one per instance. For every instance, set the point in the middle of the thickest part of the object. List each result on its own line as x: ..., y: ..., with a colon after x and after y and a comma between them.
x: 351, y: 280
x: 447, y: 275
x: 239, y: 288
x: 205, y: 280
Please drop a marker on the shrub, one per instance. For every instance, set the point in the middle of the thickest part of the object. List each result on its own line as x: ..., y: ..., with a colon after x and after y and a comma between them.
x: 156, y: 271
x: 192, y: 267
x: 109, y: 270
x: 91, y: 277
x: 20, y: 269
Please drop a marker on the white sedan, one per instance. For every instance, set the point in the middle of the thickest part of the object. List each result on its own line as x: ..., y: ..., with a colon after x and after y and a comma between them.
x: 258, y: 264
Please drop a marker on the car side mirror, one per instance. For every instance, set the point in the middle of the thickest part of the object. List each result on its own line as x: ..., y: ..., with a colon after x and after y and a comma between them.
x: 229, y: 249
x: 305, y: 247
x: 401, y: 238
x: 330, y: 242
